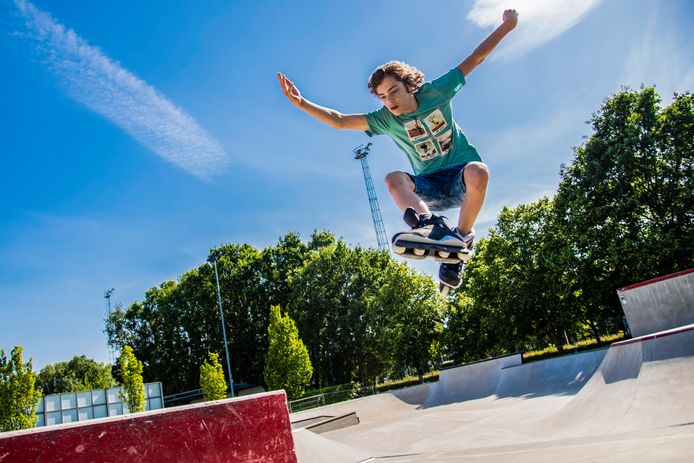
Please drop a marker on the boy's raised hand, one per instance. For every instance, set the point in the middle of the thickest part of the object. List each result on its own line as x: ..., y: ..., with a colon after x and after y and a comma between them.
x: 289, y: 89
x: 510, y: 16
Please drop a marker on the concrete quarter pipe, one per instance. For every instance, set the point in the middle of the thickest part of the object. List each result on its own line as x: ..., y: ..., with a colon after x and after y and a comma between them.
x: 629, y: 403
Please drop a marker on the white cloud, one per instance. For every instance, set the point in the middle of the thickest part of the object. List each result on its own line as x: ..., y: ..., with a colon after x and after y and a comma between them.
x: 539, y: 21
x: 104, y: 86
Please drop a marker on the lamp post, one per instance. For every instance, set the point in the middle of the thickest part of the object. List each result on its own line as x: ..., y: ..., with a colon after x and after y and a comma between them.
x: 224, y: 330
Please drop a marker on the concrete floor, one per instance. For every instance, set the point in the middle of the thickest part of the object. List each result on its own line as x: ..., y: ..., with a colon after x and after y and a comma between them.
x: 632, y: 402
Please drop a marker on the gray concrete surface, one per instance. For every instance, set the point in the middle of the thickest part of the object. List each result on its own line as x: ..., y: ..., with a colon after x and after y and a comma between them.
x: 660, y: 304
x: 630, y: 403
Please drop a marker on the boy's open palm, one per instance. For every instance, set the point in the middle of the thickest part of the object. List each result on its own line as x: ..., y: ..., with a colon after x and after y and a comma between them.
x: 289, y: 89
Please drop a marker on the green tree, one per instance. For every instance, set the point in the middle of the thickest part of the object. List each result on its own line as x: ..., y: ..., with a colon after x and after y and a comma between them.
x: 332, y: 302
x: 520, y: 282
x: 18, y: 395
x: 212, y: 382
x: 287, y: 365
x: 133, y: 394
x: 412, y: 315
x: 626, y: 199
x: 329, y: 288
x: 78, y: 374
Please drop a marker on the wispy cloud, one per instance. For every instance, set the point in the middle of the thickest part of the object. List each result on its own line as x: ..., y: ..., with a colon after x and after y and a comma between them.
x: 540, y: 20
x: 661, y: 57
x: 104, y: 86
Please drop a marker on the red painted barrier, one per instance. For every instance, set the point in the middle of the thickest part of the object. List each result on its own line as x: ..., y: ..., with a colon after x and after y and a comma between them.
x: 249, y: 429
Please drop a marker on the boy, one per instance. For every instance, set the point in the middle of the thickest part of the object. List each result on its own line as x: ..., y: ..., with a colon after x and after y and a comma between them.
x: 448, y: 170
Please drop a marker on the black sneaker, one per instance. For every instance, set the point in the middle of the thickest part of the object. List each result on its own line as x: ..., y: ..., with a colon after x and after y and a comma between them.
x: 450, y: 275
x: 427, y: 228
x: 468, y: 239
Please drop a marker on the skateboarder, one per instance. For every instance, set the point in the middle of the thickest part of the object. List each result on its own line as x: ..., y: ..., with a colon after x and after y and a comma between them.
x: 448, y: 171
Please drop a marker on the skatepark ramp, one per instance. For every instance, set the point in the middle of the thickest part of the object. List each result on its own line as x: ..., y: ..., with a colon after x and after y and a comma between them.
x: 630, y: 402
x: 645, y: 382
x: 659, y: 304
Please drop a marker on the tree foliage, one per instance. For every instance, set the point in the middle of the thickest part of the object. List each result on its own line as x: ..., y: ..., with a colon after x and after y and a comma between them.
x: 331, y: 291
x: 212, y: 382
x: 626, y: 199
x: 549, y: 270
x: 133, y: 394
x: 287, y: 365
x: 18, y: 395
x: 78, y: 374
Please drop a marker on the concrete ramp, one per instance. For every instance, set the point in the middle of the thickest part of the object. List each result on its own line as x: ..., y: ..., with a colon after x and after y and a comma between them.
x: 470, y: 381
x: 311, y: 447
x: 629, y: 403
x: 558, y: 376
x: 659, y: 304
x: 643, y: 383
x: 633, y: 402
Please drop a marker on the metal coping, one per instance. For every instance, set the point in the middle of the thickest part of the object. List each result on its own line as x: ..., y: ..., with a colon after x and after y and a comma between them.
x: 660, y: 334
x: 656, y: 280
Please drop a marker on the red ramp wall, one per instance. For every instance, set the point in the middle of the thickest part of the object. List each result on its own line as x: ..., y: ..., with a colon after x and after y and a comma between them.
x: 249, y: 429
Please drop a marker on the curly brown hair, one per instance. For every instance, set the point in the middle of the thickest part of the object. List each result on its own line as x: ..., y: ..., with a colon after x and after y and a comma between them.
x: 412, y: 77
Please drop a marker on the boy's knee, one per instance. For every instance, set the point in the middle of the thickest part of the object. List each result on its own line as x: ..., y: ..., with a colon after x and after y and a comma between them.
x: 396, y: 180
x: 476, y: 175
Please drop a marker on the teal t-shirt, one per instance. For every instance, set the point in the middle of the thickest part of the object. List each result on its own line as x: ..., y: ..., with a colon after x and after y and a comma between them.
x: 429, y: 136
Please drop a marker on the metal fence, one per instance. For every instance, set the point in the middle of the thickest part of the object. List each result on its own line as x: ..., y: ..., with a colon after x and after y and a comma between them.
x: 328, y: 398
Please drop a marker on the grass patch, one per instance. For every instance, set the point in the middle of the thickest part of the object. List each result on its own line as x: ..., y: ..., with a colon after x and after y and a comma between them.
x: 588, y: 344
x: 407, y: 382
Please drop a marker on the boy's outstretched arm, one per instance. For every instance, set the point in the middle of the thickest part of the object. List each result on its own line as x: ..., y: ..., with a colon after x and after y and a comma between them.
x: 510, y: 20
x: 329, y: 116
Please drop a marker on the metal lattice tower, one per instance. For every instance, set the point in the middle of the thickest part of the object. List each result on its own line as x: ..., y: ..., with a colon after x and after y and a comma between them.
x: 360, y: 152
x: 107, y: 296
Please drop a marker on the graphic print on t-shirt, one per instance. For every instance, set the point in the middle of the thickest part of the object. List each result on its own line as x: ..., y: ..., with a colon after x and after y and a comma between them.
x: 435, y: 121
x: 415, y: 130
x: 445, y: 141
x: 426, y: 150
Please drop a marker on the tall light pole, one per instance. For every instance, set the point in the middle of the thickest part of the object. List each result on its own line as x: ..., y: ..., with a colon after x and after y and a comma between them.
x: 224, y: 330
x: 107, y: 296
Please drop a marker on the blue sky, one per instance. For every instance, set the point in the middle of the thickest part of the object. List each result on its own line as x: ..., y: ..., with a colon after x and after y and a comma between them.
x: 138, y: 135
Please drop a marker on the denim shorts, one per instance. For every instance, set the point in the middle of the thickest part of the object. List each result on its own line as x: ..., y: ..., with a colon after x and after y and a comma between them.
x: 443, y: 189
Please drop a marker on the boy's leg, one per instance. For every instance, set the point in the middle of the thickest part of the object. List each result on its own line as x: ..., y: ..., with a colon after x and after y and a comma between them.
x: 476, y: 178
x: 428, y: 233
x: 401, y: 188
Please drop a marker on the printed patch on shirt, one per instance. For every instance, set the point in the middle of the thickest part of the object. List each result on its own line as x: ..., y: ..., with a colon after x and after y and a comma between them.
x: 445, y: 141
x: 415, y: 130
x: 436, y: 121
x: 426, y: 150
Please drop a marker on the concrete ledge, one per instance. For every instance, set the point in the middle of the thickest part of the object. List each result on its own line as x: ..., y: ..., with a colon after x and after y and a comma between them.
x: 255, y: 428
x: 334, y: 423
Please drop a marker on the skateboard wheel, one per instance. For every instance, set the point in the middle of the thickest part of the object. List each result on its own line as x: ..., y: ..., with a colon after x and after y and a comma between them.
x: 444, y: 254
x: 419, y: 252
x: 399, y: 249
x: 464, y: 256
x: 444, y: 290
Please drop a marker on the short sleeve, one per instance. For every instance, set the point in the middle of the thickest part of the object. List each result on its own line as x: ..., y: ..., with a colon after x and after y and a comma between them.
x: 450, y: 83
x: 378, y: 122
